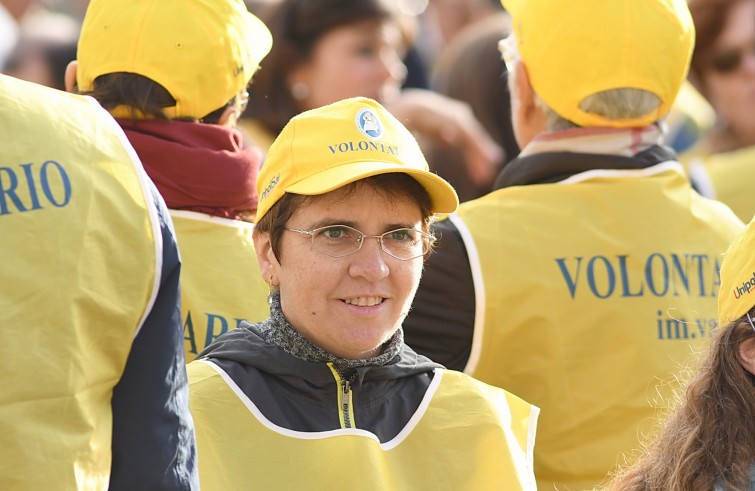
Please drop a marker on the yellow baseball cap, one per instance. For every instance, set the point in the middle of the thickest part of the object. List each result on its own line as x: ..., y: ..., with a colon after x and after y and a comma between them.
x: 326, y: 148
x: 202, y: 51
x: 576, y: 48
x: 737, y: 293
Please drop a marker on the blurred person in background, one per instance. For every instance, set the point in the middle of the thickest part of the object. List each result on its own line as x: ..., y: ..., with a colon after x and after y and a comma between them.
x: 46, y: 44
x: 328, y: 50
x: 722, y: 163
x: 470, y: 69
x: 11, y: 13
x: 442, y: 20
x: 42, y: 61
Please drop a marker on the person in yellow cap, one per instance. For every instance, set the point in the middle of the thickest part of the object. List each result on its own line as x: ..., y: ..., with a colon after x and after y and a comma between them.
x: 175, y: 74
x: 584, y: 281
x: 94, y: 392
x: 325, y: 394
x: 708, y: 440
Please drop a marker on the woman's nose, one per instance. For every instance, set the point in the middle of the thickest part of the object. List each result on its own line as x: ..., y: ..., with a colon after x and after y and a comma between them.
x: 369, y: 261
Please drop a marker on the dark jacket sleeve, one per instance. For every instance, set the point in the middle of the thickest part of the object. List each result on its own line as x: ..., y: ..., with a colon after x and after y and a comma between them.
x: 440, y: 324
x: 153, y: 434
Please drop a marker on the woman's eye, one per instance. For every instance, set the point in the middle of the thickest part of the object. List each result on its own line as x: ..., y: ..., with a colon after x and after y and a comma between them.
x: 365, y: 51
x: 403, y: 235
x: 334, y: 233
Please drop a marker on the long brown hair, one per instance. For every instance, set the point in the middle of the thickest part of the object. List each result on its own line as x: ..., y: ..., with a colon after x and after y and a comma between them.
x: 710, y: 436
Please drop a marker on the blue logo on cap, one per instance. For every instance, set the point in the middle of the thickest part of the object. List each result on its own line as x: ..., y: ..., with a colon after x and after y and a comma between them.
x: 369, y: 124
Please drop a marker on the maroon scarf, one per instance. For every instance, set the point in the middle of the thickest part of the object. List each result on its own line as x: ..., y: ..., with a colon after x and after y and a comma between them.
x: 198, y: 167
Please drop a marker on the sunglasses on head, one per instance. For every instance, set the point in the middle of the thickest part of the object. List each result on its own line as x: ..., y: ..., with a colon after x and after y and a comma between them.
x: 729, y: 60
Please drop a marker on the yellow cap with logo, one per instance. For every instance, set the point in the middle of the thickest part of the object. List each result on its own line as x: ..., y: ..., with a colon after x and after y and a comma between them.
x: 575, y: 48
x: 202, y: 51
x: 737, y: 293
x: 323, y: 149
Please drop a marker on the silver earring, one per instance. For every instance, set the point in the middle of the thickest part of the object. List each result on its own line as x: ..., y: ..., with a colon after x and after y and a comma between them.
x: 299, y: 91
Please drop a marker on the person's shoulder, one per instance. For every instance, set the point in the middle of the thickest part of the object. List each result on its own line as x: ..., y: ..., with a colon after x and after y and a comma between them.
x: 45, y: 106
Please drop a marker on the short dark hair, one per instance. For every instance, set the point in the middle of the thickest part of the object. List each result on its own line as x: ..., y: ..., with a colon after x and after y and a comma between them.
x: 394, y: 185
x: 143, y: 96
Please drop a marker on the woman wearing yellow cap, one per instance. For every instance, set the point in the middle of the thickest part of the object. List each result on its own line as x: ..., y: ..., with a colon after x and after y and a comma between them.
x: 325, y: 394
x: 709, y: 441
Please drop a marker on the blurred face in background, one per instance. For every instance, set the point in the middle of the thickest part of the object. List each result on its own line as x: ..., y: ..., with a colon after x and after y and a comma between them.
x: 360, y: 59
x: 728, y: 76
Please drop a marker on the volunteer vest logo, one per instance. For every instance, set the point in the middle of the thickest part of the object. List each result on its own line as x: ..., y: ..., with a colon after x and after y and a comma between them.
x: 655, y: 275
x: 369, y: 124
x: 30, y: 187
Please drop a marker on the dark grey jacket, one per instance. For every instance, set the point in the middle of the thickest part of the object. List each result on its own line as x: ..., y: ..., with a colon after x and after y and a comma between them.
x: 300, y: 392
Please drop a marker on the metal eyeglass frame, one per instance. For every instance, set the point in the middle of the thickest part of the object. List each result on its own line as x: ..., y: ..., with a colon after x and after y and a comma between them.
x: 428, y: 238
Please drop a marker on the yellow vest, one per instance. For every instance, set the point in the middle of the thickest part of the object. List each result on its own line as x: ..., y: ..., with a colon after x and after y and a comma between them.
x: 727, y: 177
x: 80, y: 242
x: 220, y: 278
x: 465, y: 436
x: 590, y: 296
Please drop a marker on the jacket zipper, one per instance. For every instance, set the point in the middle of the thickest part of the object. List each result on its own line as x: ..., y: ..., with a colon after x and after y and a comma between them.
x: 346, y: 411
x: 346, y: 403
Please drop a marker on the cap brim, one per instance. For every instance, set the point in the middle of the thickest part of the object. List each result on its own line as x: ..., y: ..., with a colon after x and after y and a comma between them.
x: 442, y: 195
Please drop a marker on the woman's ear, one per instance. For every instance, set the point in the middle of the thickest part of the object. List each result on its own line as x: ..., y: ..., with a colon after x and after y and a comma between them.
x: 268, y: 263
x: 747, y: 355
x: 528, y: 118
x: 70, y: 76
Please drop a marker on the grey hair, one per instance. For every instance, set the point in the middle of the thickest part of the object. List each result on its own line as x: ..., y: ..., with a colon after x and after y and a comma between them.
x: 612, y: 104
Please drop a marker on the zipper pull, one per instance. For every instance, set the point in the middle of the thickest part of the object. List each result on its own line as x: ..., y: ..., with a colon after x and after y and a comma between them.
x: 346, y: 403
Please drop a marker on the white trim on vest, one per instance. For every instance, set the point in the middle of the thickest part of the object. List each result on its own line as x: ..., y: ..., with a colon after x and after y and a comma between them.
x: 204, y: 217
x: 317, y: 435
x: 149, y: 201
x: 479, y: 292
x: 698, y: 174
x: 669, y: 165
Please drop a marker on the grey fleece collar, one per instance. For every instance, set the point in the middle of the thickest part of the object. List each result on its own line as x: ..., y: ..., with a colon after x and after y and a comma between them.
x: 276, y: 330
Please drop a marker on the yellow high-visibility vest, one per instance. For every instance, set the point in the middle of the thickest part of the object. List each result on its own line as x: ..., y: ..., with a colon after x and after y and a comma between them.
x: 80, y: 242
x: 466, y: 435
x: 726, y: 177
x: 591, y: 294
x: 220, y: 277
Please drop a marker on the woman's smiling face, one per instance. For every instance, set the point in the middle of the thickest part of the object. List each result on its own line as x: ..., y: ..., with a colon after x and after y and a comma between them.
x: 350, y: 305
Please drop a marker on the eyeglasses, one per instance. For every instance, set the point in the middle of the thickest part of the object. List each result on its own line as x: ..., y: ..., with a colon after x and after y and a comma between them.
x: 729, y: 60
x: 342, y: 240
